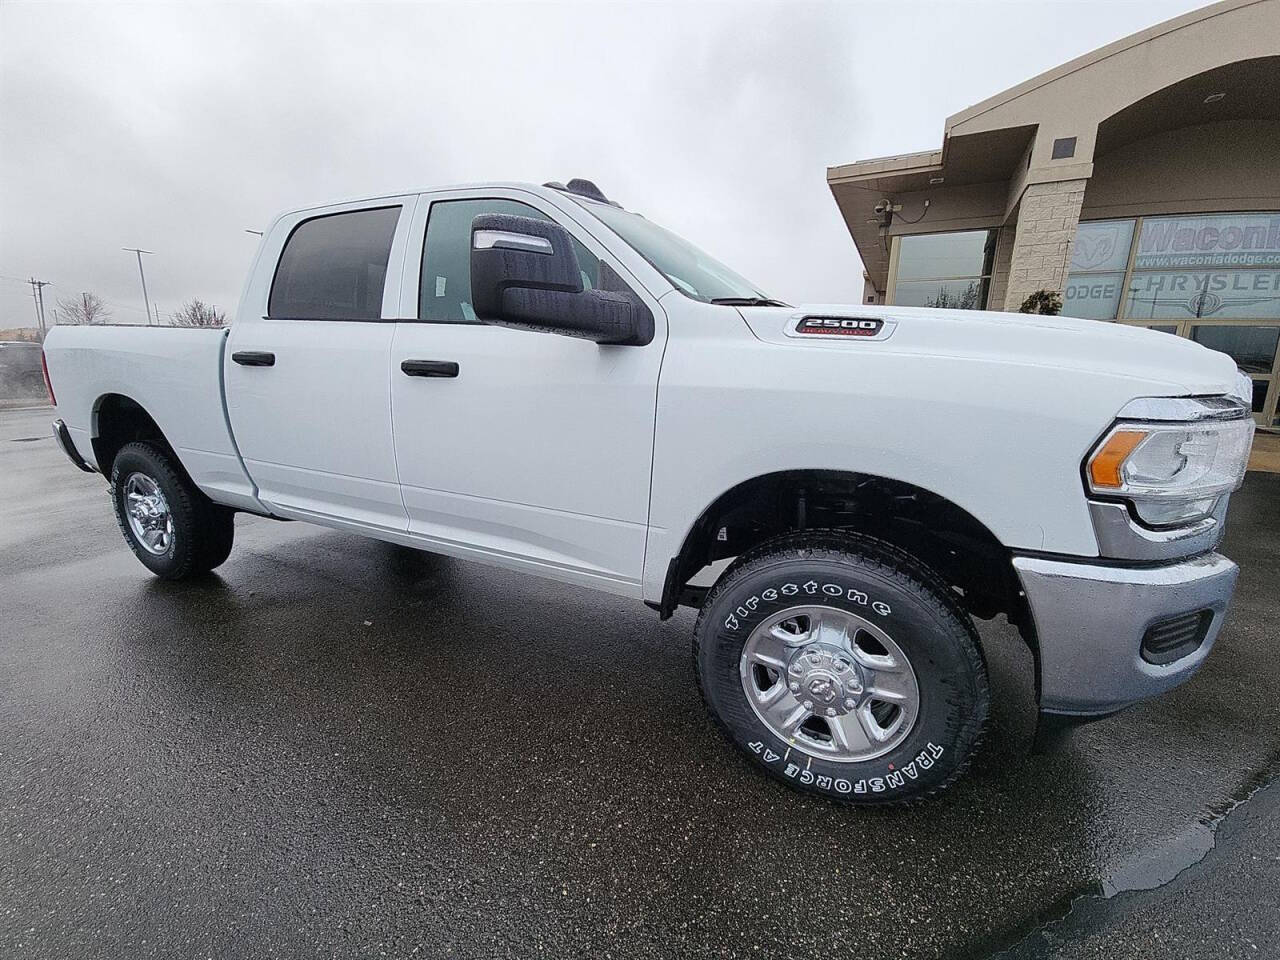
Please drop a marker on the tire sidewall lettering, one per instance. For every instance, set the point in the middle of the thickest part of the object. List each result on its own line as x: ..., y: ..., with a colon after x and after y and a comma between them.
x: 744, y: 612
x: 798, y: 768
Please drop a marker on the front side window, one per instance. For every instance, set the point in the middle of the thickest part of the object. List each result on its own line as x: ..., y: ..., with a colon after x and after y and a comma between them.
x: 951, y: 270
x: 334, y: 267
x: 444, y: 292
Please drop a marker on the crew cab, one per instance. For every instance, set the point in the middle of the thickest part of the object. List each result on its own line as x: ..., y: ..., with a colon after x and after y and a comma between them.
x: 535, y: 378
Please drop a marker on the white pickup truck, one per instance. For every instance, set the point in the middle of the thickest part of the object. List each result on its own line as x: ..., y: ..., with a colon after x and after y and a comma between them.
x: 535, y: 378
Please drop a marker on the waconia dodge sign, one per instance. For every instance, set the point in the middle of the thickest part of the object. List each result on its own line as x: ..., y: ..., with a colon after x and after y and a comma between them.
x: 1221, y: 241
x: 1214, y: 265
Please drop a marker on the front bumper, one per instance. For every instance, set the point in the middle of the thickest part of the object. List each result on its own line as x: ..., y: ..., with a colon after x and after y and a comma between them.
x: 1090, y: 620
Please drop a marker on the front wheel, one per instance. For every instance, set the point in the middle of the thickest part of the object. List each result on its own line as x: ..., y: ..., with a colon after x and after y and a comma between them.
x: 842, y: 667
x: 173, y: 528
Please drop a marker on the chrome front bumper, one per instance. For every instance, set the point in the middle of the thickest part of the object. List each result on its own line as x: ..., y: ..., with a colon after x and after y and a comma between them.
x: 1090, y: 620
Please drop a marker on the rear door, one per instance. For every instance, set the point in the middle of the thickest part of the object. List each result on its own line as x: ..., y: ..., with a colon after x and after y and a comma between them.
x: 535, y: 450
x: 307, y: 364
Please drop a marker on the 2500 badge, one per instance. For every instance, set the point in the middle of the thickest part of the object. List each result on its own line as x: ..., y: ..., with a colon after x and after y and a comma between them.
x: 838, y: 327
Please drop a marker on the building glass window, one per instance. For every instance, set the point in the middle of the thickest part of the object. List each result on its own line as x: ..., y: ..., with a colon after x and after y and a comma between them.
x: 1098, y: 263
x: 1213, y: 278
x: 1218, y: 294
x: 950, y: 270
x: 1252, y: 348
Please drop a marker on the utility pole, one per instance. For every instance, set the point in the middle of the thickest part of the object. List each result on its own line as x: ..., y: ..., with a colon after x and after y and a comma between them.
x: 37, y: 295
x: 145, y: 299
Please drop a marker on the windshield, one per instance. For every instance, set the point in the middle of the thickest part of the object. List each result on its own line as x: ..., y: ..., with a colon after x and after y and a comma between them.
x: 688, y: 268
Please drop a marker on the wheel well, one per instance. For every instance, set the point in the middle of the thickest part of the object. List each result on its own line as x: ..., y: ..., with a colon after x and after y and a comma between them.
x: 937, y: 532
x: 119, y: 420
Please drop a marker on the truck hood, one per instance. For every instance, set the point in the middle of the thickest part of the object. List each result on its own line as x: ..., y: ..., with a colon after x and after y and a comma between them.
x: 1168, y: 364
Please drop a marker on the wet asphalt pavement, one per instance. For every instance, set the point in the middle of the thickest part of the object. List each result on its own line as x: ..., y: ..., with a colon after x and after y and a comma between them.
x: 334, y: 747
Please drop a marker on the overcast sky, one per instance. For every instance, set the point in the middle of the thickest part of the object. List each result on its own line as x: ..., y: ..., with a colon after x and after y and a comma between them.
x: 175, y: 127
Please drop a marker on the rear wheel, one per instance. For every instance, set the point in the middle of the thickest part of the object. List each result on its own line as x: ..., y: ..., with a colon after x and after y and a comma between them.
x: 173, y: 528
x: 843, y: 667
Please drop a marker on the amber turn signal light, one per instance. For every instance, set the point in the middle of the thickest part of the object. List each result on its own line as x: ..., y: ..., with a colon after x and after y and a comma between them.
x: 1104, y: 468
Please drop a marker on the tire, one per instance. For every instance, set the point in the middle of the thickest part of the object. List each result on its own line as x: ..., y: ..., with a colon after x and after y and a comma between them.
x: 184, y: 533
x: 837, y: 614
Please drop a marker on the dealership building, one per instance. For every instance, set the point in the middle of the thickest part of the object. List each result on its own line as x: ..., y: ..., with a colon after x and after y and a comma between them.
x: 1141, y: 182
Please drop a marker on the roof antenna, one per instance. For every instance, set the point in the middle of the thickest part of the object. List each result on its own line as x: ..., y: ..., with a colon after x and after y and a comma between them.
x: 585, y: 188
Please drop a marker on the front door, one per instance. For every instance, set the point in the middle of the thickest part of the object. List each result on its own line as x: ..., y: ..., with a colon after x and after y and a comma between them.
x: 535, y: 451
x: 307, y: 383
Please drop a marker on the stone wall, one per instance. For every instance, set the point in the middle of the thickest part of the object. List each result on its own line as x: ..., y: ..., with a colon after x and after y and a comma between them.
x: 1046, y: 231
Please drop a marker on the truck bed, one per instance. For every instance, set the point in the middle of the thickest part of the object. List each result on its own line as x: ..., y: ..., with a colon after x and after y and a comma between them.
x: 174, y: 373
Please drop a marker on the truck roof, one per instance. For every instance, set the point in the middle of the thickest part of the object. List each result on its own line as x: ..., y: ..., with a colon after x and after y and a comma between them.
x: 577, y: 187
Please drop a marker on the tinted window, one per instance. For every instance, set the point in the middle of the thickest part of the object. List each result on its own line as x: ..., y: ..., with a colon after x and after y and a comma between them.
x: 334, y: 267
x: 444, y: 293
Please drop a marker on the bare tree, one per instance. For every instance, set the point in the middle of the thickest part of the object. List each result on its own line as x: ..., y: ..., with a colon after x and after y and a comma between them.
x: 197, y: 313
x: 87, y: 308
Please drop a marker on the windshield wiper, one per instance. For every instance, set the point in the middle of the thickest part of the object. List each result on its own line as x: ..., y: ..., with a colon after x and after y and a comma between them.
x: 749, y: 302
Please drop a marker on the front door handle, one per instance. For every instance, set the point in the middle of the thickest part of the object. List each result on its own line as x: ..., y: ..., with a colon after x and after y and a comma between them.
x: 429, y: 368
x: 254, y: 358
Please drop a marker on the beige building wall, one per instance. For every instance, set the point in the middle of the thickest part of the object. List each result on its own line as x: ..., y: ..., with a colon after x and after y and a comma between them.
x: 1210, y: 168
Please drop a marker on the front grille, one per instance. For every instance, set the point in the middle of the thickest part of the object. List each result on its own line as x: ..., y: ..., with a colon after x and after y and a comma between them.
x: 1173, y: 639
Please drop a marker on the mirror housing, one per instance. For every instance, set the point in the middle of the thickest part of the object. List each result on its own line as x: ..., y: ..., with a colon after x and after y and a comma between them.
x: 525, y: 274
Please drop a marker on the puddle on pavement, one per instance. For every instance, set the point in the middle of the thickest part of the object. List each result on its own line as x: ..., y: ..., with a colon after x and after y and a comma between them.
x: 1146, y: 870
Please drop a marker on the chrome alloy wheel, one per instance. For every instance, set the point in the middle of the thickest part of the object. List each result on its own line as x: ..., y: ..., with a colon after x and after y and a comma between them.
x: 148, y: 512
x: 830, y: 683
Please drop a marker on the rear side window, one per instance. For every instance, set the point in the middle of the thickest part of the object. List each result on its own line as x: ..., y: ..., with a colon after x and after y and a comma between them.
x: 334, y: 267
x: 444, y: 295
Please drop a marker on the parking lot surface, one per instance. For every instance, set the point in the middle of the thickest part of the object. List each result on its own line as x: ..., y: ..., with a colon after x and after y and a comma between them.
x: 335, y: 747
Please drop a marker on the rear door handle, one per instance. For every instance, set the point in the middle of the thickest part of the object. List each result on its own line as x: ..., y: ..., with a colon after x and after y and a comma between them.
x: 254, y: 358
x: 429, y: 368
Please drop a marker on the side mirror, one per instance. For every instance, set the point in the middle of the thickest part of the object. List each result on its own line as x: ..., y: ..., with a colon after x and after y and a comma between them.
x: 525, y: 274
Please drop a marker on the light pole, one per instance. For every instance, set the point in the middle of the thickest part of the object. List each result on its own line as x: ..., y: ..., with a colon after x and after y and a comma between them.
x: 37, y: 294
x: 145, y: 299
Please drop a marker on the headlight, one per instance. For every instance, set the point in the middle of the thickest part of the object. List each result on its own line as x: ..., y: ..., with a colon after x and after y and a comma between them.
x: 1171, y: 458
